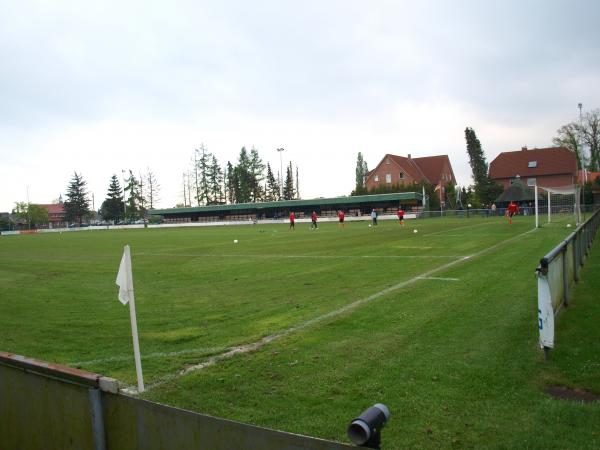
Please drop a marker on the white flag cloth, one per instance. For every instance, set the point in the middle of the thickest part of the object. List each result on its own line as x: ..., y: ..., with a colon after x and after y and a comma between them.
x: 125, y: 277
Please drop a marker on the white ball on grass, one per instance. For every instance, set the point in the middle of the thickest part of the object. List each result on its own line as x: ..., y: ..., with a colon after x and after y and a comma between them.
x: 568, y: 225
x: 369, y: 225
x: 415, y: 231
x: 235, y: 241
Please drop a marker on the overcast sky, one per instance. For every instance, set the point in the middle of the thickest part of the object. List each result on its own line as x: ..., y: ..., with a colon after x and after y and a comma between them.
x: 98, y: 87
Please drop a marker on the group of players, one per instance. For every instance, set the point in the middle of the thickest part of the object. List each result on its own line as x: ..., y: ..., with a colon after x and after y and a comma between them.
x: 341, y: 216
x: 511, y: 210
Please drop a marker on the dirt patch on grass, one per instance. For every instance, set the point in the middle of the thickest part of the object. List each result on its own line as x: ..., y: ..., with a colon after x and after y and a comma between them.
x: 575, y: 395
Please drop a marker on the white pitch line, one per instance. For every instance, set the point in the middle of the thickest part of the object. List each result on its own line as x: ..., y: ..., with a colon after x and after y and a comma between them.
x: 439, y: 278
x: 150, y: 355
x: 242, y: 349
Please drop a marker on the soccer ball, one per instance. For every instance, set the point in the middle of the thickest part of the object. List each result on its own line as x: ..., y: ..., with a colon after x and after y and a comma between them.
x: 415, y: 231
x: 369, y: 225
x: 568, y: 225
x: 235, y: 241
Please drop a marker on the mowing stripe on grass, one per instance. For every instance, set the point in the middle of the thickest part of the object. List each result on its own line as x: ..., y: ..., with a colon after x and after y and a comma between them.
x: 241, y: 256
x: 330, y: 315
x: 439, y: 278
x: 459, y: 228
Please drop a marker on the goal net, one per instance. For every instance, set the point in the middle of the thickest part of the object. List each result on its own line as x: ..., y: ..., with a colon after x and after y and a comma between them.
x: 558, y: 205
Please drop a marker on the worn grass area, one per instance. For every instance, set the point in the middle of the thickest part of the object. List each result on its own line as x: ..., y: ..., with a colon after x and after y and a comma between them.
x: 454, y: 355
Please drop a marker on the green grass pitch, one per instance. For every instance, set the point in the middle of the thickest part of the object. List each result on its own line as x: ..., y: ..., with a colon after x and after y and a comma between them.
x: 357, y: 315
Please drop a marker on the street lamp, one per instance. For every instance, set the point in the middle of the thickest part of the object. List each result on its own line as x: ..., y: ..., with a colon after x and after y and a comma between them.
x: 280, y: 150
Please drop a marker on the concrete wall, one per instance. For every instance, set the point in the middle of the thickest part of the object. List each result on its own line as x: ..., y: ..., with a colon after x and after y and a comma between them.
x: 51, y: 407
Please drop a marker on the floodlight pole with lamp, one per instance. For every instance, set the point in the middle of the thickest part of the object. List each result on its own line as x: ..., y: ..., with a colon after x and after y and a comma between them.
x: 280, y: 150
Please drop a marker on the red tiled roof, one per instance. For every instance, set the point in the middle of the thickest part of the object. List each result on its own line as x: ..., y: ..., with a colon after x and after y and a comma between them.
x: 408, y: 165
x: 428, y: 168
x: 56, y: 208
x: 549, y: 161
x: 432, y: 167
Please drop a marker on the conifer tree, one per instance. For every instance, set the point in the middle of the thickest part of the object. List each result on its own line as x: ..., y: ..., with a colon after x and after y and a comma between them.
x: 112, y: 207
x: 288, y: 187
x: 77, y: 205
x: 486, y: 190
x: 272, y: 189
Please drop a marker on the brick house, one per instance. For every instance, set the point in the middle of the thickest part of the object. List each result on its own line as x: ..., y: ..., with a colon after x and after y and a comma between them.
x: 399, y: 170
x: 56, y: 215
x: 548, y: 167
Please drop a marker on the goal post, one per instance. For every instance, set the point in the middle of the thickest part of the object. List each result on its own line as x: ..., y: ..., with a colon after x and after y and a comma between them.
x: 557, y: 204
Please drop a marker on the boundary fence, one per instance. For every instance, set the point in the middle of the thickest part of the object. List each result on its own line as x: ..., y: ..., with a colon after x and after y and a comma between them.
x: 557, y: 272
x: 48, y: 406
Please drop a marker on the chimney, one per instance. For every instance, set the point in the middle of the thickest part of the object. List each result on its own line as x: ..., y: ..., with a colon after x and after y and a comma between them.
x: 409, y: 156
x: 524, y: 148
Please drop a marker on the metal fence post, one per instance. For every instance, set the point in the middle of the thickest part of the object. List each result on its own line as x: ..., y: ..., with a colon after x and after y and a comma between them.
x: 575, y: 257
x: 97, y: 419
x: 565, y: 276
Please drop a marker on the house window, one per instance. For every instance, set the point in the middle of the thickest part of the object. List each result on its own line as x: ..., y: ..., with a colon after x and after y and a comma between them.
x: 376, y: 178
x: 388, y: 177
x: 402, y: 175
x: 530, y: 181
x: 387, y: 160
x: 532, y: 165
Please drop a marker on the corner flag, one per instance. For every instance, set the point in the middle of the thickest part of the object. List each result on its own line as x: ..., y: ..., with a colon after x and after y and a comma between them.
x: 125, y: 278
x: 125, y: 283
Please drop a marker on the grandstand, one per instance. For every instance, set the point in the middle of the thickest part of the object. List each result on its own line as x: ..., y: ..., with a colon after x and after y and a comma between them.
x: 325, y: 207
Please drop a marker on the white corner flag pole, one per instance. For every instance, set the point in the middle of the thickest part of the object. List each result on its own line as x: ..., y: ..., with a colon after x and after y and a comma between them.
x: 125, y: 283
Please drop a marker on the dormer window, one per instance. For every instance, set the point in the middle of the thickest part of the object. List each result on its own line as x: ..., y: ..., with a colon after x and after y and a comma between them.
x: 532, y: 164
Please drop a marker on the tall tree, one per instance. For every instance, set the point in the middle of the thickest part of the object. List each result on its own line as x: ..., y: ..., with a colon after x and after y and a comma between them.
x: 112, y: 207
x: 568, y: 137
x: 202, y: 160
x: 486, y: 190
x: 288, y: 187
x: 77, y: 205
x: 272, y: 188
x: 230, y: 183
x: 215, y: 180
x: 134, y: 207
x: 590, y: 133
x: 256, y: 170
x: 152, y: 192
x: 477, y: 160
x: 243, y: 185
x: 360, y: 173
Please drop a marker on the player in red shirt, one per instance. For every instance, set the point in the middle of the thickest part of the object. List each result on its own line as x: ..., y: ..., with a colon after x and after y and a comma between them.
x: 313, y: 217
x: 400, y: 214
x: 341, y: 216
x: 292, y: 221
x: 511, y: 211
